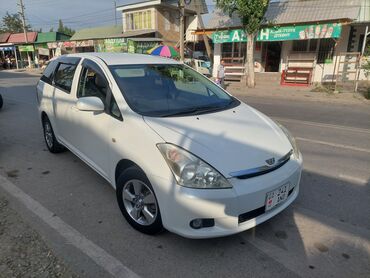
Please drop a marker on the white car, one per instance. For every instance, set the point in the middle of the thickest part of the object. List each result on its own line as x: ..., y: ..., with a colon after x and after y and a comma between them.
x: 181, y: 153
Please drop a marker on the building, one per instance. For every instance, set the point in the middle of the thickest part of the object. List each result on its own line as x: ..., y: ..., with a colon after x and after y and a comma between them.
x: 43, y: 52
x: 306, y: 41
x: 24, y: 49
x: 160, y: 19
x: 110, y: 39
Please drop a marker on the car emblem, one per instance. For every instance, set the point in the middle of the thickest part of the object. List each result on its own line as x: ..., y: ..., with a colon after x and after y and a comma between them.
x: 270, y: 161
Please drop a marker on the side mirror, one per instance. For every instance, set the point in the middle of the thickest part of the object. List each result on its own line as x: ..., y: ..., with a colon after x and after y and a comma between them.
x: 90, y: 104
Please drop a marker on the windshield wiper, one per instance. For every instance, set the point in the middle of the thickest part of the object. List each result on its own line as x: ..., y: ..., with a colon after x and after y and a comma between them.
x: 195, y: 111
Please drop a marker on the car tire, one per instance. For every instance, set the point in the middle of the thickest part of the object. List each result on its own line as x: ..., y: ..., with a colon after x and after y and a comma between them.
x: 137, y: 201
x: 1, y: 102
x: 51, y: 141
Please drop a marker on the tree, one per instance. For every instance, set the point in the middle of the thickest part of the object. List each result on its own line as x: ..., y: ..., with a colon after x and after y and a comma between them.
x: 12, y: 23
x: 251, y: 13
x: 65, y: 30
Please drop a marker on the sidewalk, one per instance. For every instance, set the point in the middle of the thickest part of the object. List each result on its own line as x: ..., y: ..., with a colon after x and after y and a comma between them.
x: 23, y: 253
x: 298, y: 93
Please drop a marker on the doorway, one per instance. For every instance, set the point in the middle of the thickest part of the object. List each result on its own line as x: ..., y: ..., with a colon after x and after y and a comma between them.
x: 271, y: 53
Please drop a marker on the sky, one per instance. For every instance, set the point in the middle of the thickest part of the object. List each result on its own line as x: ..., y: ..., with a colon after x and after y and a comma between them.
x: 76, y: 14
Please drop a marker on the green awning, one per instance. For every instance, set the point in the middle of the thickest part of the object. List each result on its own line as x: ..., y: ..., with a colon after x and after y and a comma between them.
x: 51, y: 37
x: 282, y: 33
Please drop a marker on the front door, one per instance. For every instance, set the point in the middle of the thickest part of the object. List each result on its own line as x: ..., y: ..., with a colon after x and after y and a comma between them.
x: 272, y: 56
x: 91, y: 130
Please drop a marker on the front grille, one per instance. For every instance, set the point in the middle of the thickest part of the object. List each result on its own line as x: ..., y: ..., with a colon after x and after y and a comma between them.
x: 256, y: 212
x: 258, y: 171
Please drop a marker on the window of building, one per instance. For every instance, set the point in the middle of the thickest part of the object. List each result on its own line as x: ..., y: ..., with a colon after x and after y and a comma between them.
x: 300, y: 46
x: 167, y: 23
x: 305, y: 45
x: 64, y: 76
x: 326, y: 50
x: 139, y: 20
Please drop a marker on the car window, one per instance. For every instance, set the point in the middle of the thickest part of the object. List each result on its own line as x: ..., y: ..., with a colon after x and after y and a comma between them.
x: 114, y: 110
x: 92, y: 84
x: 166, y: 90
x: 64, y: 76
x: 48, y: 73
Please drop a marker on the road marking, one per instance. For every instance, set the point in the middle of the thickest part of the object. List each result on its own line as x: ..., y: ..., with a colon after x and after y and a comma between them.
x: 352, y: 148
x: 109, y: 263
x: 316, y: 124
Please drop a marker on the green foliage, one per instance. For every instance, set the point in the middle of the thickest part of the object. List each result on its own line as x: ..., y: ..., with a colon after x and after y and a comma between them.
x: 64, y: 29
x: 251, y: 12
x: 12, y: 23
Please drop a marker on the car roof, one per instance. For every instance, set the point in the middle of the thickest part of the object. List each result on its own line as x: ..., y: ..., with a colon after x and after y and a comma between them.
x: 125, y: 58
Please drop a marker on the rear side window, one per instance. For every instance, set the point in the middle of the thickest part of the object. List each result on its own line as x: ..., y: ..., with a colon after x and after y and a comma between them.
x: 64, y: 76
x: 47, y: 76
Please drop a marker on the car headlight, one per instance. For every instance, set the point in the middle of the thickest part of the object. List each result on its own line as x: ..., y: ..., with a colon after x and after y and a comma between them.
x: 189, y: 170
x: 291, y: 140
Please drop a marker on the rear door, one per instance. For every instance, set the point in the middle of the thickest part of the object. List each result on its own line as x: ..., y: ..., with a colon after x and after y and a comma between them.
x: 64, y: 99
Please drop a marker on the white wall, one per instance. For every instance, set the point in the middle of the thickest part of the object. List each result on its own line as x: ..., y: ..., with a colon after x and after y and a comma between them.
x: 324, y: 72
x: 193, y: 25
x: 216, y: 58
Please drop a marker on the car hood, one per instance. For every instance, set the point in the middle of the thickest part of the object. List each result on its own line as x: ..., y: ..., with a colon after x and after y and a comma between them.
x: 231, y: 140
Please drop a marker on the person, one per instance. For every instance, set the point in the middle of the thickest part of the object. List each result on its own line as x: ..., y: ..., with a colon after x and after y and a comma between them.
x: 8, y: 62
x: 221, y: 74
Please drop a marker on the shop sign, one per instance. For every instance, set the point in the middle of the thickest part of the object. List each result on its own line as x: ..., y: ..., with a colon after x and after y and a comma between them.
x: 115, y: 45
x: 131, y: 46
x: 72, y: 44
x: 282, y: 33
x: 43, y: 51
x: 142, y: 47
x: 25, y: 48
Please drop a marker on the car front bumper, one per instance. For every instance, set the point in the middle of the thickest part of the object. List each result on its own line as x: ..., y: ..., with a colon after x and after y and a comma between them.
x: 234, y: 210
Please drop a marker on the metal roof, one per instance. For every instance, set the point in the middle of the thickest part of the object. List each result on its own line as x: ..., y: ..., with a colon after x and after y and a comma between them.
x: 4, y: 37
x: 51, y: 37
x: 293, y: 11
x: 135, y: 33
x: 146, y: 39
x: 98, y: 33
x: 19, y: 37
x: 125, y: 58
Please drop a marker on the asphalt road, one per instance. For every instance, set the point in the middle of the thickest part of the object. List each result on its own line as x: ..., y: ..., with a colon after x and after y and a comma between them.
x: 325, y: 233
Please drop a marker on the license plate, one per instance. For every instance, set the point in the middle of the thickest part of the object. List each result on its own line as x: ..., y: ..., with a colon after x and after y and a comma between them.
x: 274, y: 198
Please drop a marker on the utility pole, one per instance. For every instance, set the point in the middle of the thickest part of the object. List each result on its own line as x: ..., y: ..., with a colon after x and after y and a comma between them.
x: 182, y: 27
x: 115, y: 12
x: 21, y: 6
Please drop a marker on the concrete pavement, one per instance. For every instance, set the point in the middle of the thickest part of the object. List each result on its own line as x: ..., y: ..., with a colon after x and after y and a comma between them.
x: 326, y: 232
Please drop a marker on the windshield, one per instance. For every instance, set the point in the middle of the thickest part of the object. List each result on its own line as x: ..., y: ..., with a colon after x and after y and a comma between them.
x: 166, y: 90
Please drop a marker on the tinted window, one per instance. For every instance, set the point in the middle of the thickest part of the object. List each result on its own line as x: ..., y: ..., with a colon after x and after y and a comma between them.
x: 49, y: 72
x: 169, y: 90
x: 114, y: 110
x: 92, y: 84
x: 64, y: 76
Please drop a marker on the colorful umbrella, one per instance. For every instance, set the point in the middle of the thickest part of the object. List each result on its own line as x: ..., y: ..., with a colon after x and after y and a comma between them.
x: 164, y: 51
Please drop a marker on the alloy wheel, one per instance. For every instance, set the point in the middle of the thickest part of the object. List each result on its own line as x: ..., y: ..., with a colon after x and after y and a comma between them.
x: 140, y: 202
x: 48, y: 134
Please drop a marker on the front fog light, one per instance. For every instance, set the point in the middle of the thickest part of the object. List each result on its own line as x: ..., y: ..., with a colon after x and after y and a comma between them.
x: 191, y: 171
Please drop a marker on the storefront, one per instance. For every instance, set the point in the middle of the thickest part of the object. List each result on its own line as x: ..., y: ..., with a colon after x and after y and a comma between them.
x: 276, y: 47
x: 305, y: 41
x: 42, y: 51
